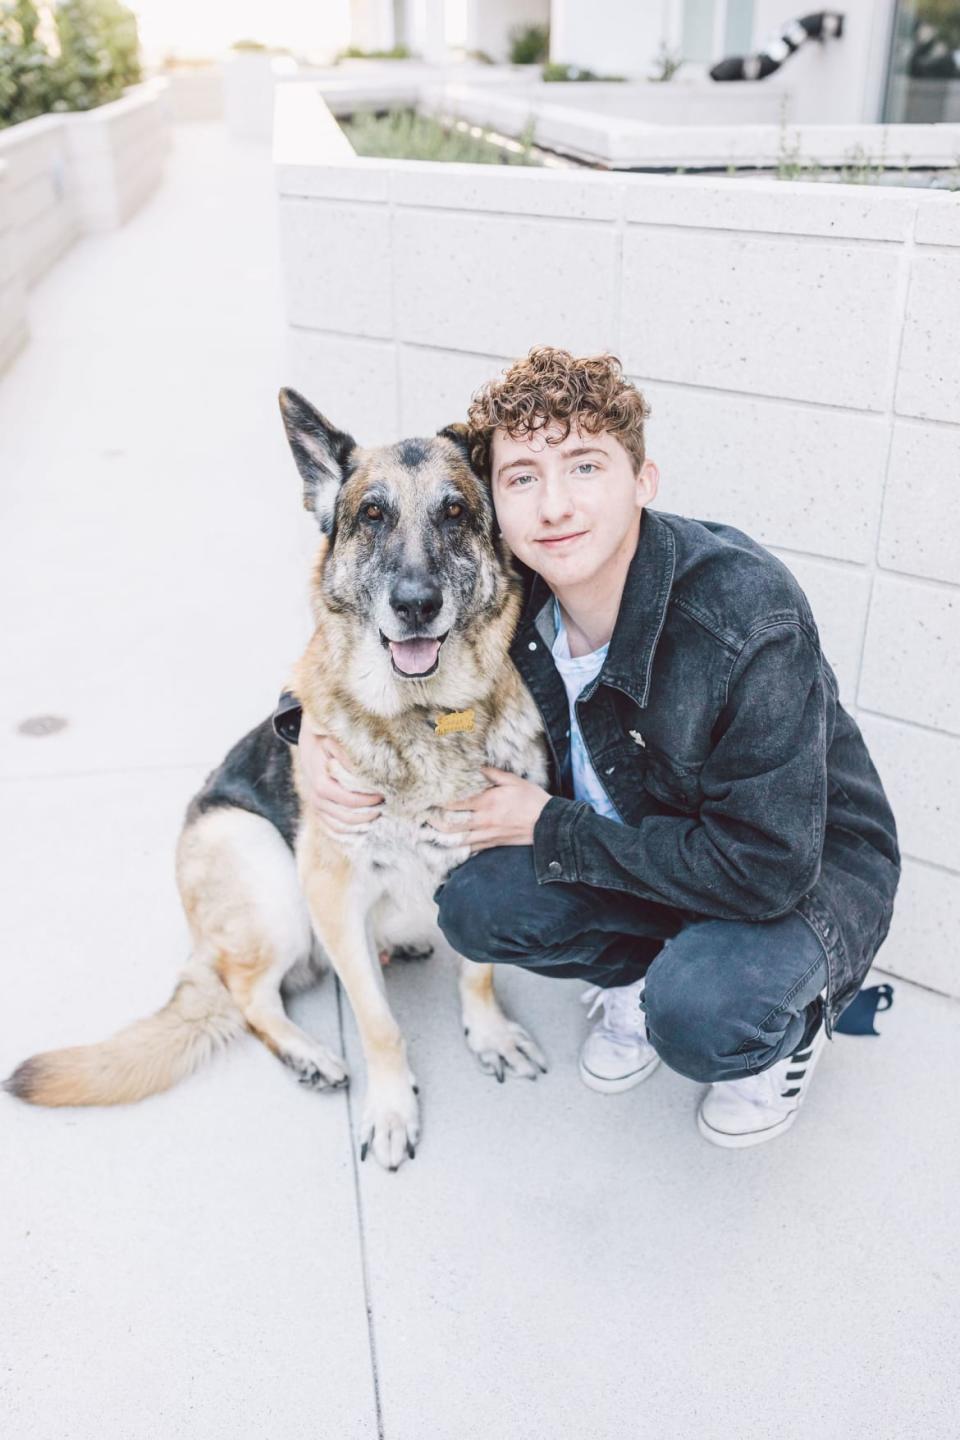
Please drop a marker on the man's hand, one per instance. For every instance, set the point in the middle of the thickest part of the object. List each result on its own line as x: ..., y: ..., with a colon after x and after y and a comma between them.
x: 504, y: 814
x: 339, y: 811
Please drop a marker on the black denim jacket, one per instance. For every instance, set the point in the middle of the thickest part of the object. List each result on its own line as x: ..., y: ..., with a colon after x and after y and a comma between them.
x: 715, y: 726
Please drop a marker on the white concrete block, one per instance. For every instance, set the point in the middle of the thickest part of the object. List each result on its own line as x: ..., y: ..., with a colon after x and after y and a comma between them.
x: 353, y: 382
x: 473, y: 282
x: 839, y: 596
x: 436, y: 386
x: 920, y: 771
x: 911, y: 658
x: 248, y: 84
x: 938, y: 220
x: 364, y: 178
x: 115, y: 154
x: 516, y: 190
x: 809, y: 479
x: 920, y: 532
x: 802, y: 320
x: 798, y: 208
x: 922, y: 943
x: 929, y: 385
x: 337, y: 261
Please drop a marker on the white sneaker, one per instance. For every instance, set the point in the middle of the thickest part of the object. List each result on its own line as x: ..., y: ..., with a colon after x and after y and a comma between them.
x: 759, y: 1107
x: 617, y: 1055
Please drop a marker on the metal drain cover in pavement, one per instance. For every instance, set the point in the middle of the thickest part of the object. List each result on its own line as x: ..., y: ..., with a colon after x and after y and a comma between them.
x: 42, y: 725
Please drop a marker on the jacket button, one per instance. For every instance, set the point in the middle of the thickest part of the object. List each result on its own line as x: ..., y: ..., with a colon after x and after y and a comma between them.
x: 554, y: 867
x: 532, y: 645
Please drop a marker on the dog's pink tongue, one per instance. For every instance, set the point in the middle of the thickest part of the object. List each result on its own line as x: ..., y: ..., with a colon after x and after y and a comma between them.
x: 413, y: 657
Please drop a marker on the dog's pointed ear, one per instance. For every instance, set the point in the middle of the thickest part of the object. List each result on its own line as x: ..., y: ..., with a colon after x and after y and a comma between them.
x: 322, y: 452
x: 460, y: 435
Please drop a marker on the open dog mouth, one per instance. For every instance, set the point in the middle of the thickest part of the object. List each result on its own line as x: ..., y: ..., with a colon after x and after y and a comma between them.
x: 415, y: 658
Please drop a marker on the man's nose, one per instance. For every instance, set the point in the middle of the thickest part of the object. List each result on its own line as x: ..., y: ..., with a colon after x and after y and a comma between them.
x: 556, y: 502
x: 416, y: 598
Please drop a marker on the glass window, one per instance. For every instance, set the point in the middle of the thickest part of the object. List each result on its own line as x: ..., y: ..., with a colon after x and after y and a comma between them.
x: 697, y: 39
x: 738, y: 28
x: 923, y: 78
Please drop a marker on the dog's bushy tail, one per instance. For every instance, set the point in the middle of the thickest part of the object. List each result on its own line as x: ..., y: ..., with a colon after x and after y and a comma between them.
x: 142, y: 1059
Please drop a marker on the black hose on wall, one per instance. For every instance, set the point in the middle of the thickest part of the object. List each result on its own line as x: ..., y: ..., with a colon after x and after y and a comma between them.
x: 824, y: 25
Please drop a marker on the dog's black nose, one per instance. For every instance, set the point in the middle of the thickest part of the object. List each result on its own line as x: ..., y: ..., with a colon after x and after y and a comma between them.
x: 416, y: 599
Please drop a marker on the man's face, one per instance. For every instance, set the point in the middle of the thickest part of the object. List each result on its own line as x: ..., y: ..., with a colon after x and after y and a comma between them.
x: 566, y: 510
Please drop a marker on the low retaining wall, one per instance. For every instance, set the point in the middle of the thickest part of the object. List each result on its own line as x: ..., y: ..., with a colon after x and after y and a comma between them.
x: 71, y: 173
x: 13, y: 308
x: 798, y: 346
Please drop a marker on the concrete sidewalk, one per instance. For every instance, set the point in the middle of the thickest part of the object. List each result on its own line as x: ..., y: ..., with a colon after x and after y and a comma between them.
x: 214, y: 1262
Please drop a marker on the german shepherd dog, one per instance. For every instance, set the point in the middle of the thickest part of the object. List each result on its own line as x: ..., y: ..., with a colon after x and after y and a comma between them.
x: 415, y: 603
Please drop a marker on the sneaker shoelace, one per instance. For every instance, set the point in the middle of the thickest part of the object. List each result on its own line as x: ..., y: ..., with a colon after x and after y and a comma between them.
x: 623, y: 1019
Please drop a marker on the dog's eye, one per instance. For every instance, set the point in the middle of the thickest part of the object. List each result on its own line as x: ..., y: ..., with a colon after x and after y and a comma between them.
x: 454, y: 510
x: 372, y: 512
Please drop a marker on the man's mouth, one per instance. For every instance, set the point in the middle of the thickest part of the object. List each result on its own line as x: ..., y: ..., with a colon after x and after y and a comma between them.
x: 414, y: 658
x: 557, y: 540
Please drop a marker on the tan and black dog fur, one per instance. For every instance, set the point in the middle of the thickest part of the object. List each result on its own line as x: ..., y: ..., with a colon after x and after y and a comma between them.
x: 415, y: 604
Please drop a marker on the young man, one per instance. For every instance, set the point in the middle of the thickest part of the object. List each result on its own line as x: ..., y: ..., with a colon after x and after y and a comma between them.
x: 715, y: 853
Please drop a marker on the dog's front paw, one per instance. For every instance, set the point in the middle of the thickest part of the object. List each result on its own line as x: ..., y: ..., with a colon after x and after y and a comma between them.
x: 390, y: 1124
x: 315, y: 1066
x: 501, y: 1045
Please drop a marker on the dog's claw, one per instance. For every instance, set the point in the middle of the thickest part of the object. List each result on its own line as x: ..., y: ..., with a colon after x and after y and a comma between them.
x: 411, y: 1149
x: 363, y: 1149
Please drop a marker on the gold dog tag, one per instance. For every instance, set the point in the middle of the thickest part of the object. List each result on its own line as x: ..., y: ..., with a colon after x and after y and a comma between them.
x: 454, y: 721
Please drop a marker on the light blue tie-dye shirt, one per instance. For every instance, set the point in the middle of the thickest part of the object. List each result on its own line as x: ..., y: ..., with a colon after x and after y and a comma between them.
x: 576, y: 672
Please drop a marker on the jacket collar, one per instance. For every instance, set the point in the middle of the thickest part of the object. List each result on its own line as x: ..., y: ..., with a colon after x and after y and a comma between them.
x: 643, y: 608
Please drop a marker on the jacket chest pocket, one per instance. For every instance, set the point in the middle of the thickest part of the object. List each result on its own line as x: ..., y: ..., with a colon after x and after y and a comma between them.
x: 672, y: 782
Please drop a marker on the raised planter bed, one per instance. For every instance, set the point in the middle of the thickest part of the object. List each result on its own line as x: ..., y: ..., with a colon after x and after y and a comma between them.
x: 797, y: 342
x: 67, y: 174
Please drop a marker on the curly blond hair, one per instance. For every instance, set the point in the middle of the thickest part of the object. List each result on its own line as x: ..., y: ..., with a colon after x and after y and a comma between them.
x: 552, y: 385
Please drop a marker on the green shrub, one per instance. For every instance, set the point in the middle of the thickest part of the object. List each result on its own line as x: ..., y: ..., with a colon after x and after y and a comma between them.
x: 354, y: 52
x: 553, y: 72
x: 99, y: 57
x: 26, y: 67
x: 405, y: 135
x: 529, y: 44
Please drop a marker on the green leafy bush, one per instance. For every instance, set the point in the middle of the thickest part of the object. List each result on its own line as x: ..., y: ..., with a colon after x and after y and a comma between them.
x: 529, y: 44
x: 99, y: 56
x: 26, y: 67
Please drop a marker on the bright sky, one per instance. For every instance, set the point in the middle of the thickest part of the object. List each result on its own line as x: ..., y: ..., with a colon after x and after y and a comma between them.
x: 198, y: 28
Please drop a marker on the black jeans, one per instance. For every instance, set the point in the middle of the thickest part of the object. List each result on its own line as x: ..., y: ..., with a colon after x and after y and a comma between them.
x: 723, y: 998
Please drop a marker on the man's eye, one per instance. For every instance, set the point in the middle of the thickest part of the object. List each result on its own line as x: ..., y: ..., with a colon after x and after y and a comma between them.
x: 518, y: 479
x: 585, y: 465
x: 372, y: 512
x: 454, y: 510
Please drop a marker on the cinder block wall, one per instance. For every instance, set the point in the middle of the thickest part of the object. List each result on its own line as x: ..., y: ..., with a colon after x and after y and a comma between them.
x: 798, y: 345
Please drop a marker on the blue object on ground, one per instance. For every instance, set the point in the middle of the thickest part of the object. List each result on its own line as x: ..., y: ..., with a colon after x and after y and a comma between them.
x: 857, y: 1018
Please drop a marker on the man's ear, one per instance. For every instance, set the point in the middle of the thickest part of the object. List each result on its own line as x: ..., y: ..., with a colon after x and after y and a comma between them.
x: 323, y: 454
